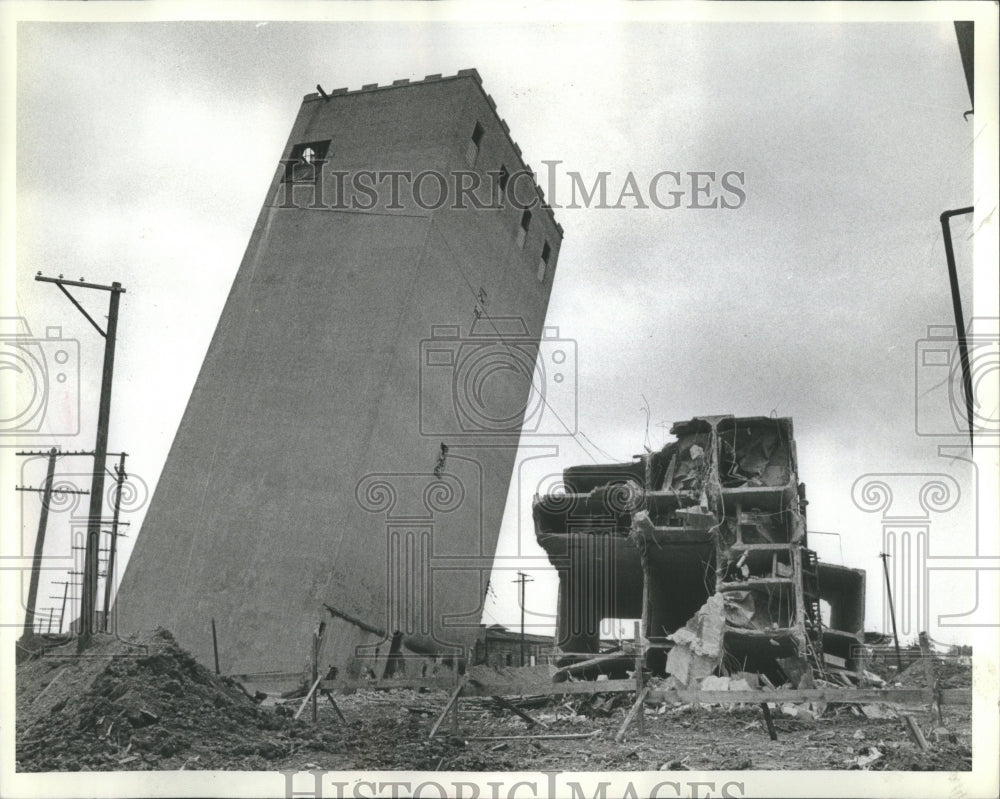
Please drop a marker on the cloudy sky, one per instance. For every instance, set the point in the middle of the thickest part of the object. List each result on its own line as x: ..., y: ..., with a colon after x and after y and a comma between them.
x: 144, y: 151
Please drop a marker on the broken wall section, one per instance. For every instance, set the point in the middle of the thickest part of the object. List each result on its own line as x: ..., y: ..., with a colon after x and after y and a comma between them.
x: 719, y: 512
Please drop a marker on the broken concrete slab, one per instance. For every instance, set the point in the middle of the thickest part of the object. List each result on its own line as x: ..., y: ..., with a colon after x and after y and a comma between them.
x: 878, y: 711
x: 868, y: 756
x: 713, y: 683
x: 698, y: 646
x: 801, y: 712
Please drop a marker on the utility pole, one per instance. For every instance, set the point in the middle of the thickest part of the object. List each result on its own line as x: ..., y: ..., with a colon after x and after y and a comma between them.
x: 76, y: 583
x: 36, y: 561
x: 113, y: 545
x: 62, y: 612
x: 88, y: 603
x: 892, y: 610
x: 522, y: 578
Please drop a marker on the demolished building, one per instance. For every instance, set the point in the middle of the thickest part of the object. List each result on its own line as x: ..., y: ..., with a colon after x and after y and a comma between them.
x: 706, y: 541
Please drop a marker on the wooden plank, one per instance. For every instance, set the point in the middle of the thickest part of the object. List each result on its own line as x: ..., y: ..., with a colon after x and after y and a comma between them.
x: 315, y: 670
x: 444, y: 683
x: 459, y: 682
x: 640, y: 688
x: 773, y: 733
x: 930, y: 673
x: 515, y: 709
x: 914, y: 729
x: 558, y: 688
x: 778, y: 547
x: 335, y: 705
x: 583, y: 665
x: 474, y: 689
x: 451, y: 701
x: 542, y: 736
x: 632, y: 713
x: 307, y: 698
x: 915, y: 696
x: 955, y: 696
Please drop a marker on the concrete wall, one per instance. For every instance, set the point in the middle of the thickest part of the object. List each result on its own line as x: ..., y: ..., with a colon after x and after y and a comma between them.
x: 303, y: 469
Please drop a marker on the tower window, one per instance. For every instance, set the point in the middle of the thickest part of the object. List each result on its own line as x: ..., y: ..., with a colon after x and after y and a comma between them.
x: 472, y: 150
x: 522, y: 232
x: 499, y: 188
x: 305, y: 161
x: 543, y: 262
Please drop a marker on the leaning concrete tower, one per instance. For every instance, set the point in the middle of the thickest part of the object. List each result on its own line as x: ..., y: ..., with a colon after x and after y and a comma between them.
x: 346, y: 451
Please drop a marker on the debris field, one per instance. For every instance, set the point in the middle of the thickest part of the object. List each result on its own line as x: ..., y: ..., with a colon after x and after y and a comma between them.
x: 146, y: 704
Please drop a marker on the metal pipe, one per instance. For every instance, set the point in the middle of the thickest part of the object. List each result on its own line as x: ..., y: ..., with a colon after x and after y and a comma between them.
x: 956, y: 303
x: 215, y: 648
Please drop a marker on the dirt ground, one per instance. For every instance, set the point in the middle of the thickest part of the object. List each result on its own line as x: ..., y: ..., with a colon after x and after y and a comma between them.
x: 151, y: 706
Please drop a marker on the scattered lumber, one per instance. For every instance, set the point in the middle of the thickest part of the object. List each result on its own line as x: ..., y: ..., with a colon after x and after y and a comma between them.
x: 562, y: 735
x: 515, y: 709
x: 451, y: 702
x: 769, y: 721
x: 632, y: 713
x: 308, y: 696
x: 915, y: 732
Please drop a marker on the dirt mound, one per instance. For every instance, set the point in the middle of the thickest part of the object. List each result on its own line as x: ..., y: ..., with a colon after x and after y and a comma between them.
x: 143, y: 704
x: 950, y: 672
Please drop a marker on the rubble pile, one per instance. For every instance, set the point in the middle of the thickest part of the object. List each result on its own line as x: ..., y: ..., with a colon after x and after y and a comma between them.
x: 948, y: 672
x: 145, y: 704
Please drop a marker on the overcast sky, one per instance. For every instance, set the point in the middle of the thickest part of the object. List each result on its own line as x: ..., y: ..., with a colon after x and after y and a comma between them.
x: 144, y: 152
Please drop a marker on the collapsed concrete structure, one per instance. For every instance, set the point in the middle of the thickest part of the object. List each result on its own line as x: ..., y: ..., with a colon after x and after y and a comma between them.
x: 706, y: 541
